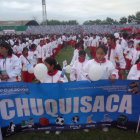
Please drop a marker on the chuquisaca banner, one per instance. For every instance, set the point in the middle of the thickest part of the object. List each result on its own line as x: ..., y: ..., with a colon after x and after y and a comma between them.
x: 28, y: 107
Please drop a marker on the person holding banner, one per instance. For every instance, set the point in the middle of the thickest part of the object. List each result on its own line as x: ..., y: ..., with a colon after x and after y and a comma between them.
x: 10, y: 65
x: 54, y: 75
x: 109, y: 71
x: 108, y: 68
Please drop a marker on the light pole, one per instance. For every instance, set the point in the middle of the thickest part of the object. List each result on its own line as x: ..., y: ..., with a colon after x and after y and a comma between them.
x: 44, y: 13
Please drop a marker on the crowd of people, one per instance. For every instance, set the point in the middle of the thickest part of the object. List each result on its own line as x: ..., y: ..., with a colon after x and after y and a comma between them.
x: 78, y: 29
x: 118, y: 54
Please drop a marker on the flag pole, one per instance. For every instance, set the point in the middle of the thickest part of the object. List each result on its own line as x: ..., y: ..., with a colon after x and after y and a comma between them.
x: 138, y: 125
x: 0, y: 134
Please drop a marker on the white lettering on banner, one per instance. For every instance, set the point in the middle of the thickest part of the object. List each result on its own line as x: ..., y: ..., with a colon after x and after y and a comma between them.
x: 5, y: 114
x: 86, y: 104
x: 76, y: 105
x: 37, y: 107
x: 22, y: 104
x: 110, y: 100
x: 126, y: 104
x: 51, y: 107
x: 62, y: 106
x: 98, y: 104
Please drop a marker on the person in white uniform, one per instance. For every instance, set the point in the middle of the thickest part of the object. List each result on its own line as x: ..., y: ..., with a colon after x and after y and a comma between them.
x: 54, y: 75
x: 134, y: 73
x: 110, y: 72
x: 10, y: 65
x: 115, y: 55
x: 77, y: 72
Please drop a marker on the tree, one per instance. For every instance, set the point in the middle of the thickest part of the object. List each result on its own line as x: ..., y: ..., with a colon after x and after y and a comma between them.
x: 116, y: 22
x: 123, y: 20
x: 109, y: 20
x: 72, y: 22
x: 98, y: 21
x: 138, y: 17
x: 88, y: 22
x: 131, y: 19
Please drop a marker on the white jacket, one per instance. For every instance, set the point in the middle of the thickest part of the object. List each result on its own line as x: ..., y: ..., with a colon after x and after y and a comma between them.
x: 134, y: 56
x: 136, y: 41
x: 134, y: 73
x: 33, y: 57
x: 17, y: 49
x: 76, y: 56
x: 12, y: 67
x: 124, y: 44
x: 116, y: 56
x: 25, y: 61
x: 48, y: 51
x: 54, y: 78
x: 108, y: 68
x: 94, y: 43
x: 78, y: 70
x: 41, y: 51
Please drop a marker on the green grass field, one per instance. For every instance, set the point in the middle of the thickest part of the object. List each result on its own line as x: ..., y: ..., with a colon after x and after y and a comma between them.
x: 96, y: 134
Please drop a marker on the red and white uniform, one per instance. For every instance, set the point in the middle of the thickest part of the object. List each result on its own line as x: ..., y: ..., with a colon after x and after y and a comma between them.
x: 36, y: 41
x: 59, y: 42
x: 124, y: 44
x: 54, y: 46
x: 115, y: 55
x: 23, y: 45
x: 11, y: 42
x: 104, y: 41
x: 108, y: 68
x: 41, y: 52
x: 47, y: 50
x: 54, y: 77
x: 93, y: 47
x: 136, y: 41
x: 12, y: 67
x: 135, y: 54
x: 17, y: 49
x: 98, y: 40
x: 25, y: 61
x: 64, y: 38
x: 76, y: 56
x: 33, y: 54
x: 134, y: 73
x: 85, y: 42
x: 77, y: 72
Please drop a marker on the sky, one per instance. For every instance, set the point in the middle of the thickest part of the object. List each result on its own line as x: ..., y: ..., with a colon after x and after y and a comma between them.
x: 80, y: 10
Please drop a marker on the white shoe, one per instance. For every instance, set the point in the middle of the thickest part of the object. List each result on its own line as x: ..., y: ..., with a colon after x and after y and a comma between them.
x: 86, y: 130
x: 105, y: 129
x: 47, y: 132
x: 57, y: 132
